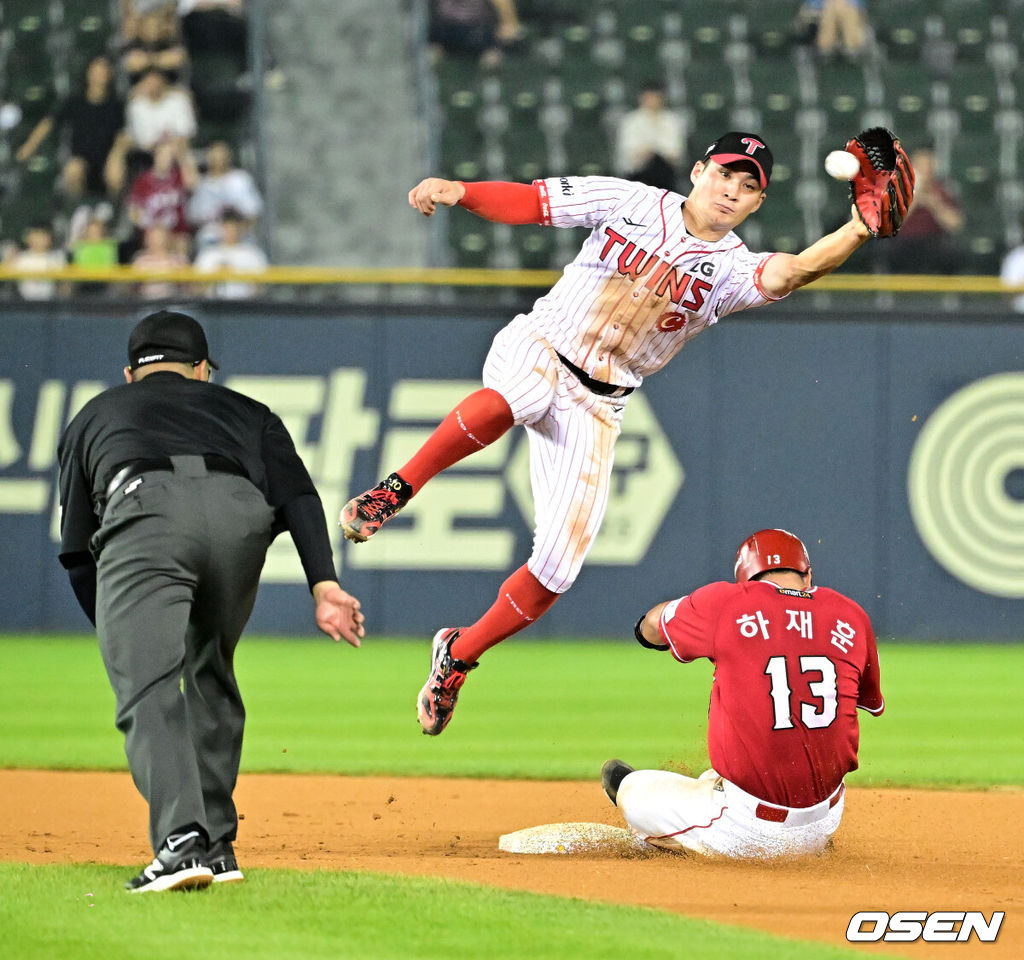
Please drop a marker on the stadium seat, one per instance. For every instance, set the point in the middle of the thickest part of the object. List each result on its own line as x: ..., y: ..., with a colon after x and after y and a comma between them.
x: 841, y: 94
x: 908, y: 94
x: 899, y: 28
x: 774, y: 87
x: 974, y: 167
x: 215, y: 85
x: 710, y: 96
x: 535, y: 247
x: 772, y: 29
x: 781, y: 218
x: 526, y: 153
x: 471, y: 240
x: 462, y: 151
x: 975, y: 94
x: 588, y: 148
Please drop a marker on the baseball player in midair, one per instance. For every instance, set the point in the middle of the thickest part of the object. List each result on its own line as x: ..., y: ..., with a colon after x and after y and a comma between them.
x: 656, y: 270
x: 793, y: 664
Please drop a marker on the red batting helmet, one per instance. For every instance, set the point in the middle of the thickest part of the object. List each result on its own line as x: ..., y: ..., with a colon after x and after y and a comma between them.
x: 770, y: 550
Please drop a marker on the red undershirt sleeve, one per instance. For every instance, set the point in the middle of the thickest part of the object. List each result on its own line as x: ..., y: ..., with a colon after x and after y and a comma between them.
x: 512, y: 203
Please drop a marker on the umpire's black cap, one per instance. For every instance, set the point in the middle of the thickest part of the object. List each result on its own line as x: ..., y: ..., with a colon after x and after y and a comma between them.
x: 168, y: 337
x: 734, y: 146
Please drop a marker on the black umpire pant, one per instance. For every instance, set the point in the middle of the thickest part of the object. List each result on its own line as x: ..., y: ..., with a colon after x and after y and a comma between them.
x: 179, y: 556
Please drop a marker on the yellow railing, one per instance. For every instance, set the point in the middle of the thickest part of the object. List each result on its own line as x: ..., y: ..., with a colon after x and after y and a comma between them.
x: 465, y: 277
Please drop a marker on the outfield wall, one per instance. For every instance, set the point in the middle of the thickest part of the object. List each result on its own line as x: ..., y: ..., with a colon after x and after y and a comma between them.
x: 894, y: 447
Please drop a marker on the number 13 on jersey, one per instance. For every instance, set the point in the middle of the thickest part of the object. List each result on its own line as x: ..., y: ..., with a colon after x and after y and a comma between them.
x: 823, y: 688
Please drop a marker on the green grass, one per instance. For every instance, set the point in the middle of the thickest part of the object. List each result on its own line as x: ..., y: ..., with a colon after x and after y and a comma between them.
x: 533, y: 709
x: 539, y: 710
x: 49, y: 912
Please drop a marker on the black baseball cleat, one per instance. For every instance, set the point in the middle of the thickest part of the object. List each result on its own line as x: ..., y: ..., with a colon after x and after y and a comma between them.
x: 364, y: 515
x: 437, y: 699
x: 221, y: 860
x: 180, y: 865
x: 612, y: 774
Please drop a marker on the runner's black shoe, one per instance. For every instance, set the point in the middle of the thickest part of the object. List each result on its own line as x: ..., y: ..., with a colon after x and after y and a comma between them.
x: 612, y: 774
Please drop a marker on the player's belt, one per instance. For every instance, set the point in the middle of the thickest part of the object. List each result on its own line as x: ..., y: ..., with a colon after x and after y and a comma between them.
x: 595, y: 386
x: 136, y: 468
x: 774, y: 813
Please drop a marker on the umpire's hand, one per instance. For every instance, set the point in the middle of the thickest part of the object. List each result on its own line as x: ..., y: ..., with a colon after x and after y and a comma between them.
x: 337, y: 612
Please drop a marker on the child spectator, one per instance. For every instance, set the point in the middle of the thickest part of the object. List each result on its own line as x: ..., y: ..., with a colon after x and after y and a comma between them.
x: 94, y: 248
x: 234, y: 252
x: 38, y: 255
x: 157, y: 254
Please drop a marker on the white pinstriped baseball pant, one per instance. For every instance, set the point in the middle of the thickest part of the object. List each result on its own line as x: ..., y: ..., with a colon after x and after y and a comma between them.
x: 572, y: 434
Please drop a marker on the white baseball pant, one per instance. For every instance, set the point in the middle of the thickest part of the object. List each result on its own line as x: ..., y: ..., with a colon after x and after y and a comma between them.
x: 572, y: 434
x: 713, y: 817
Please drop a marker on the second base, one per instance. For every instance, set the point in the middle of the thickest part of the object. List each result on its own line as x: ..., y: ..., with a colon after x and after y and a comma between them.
x: 573, y: 838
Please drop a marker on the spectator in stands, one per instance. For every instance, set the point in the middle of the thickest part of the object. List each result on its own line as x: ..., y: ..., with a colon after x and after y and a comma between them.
x: 93, y: 119
x: 223, y: 186
x: 838, y: 26
x: 38, y: 254
x: 481, y: 28
x: 234, y: 252
x: 93, y: 248
x: 926, y: 242
x: 152, y: 40
x: 1012, y: 274
x: 83, y: 215
x: 650, y: 140
x: 158, y: 255
x: 158, y: 196
x: 156, y: 111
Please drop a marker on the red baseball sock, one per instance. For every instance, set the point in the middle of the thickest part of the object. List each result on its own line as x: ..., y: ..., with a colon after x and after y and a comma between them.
x: 476, y: 422
x: 521, y: 600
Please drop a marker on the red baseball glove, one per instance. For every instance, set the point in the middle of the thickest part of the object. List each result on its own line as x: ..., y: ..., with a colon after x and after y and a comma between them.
x: 884, y: 189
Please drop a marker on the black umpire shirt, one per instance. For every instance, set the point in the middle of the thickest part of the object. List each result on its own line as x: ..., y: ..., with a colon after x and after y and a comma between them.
x: 164, y: 415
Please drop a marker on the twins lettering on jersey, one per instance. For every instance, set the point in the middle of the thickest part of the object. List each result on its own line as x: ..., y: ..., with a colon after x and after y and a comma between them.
x: 685, y: 289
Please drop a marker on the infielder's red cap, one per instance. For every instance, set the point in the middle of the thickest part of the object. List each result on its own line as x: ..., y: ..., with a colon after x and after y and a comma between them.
x: 770, y: 550
x: 734, y: 146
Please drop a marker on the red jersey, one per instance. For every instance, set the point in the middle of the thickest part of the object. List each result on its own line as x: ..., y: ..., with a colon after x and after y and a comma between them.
x: 160, y: 200
x: 791, y: 669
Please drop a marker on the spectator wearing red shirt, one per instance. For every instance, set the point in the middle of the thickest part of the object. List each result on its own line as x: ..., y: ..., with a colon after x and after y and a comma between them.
x: 793, y: 663
x: 927, y: 242
x: 158, y: 196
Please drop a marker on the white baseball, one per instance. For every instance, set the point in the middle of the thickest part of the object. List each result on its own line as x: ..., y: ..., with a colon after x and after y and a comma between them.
x: 842, y: 165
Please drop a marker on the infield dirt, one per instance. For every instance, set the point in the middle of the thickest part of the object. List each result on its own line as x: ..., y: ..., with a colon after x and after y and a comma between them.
x: 896, y: 849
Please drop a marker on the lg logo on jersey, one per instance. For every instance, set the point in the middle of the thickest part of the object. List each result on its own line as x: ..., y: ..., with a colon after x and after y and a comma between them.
x: 908, y: 926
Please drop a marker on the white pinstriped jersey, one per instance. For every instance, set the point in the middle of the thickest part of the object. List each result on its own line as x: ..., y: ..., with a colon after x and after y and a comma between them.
x: 641, y: 286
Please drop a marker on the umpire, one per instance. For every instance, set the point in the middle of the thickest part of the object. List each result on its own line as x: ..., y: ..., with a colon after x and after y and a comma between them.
x: 171, y: 490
